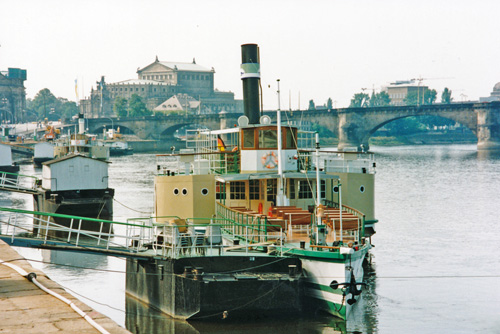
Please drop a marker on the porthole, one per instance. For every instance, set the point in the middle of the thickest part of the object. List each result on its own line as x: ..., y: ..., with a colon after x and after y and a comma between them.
x: 184, y: 191
x: 176, y: 191
x: 362, y: 189
x: 204, y: 191
x: 336, y: 189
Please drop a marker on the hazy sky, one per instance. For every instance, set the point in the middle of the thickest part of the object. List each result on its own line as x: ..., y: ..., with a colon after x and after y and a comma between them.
x: 318, y: 49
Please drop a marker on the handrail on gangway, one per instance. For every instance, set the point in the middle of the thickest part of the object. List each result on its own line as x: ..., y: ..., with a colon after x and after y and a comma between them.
x: 19, y: 182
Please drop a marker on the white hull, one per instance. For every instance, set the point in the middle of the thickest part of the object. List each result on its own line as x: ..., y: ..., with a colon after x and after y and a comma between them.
x: 320, y: 274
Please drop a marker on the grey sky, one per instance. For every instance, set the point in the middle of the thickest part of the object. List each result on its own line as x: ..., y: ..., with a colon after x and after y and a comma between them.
x: 318, y: 49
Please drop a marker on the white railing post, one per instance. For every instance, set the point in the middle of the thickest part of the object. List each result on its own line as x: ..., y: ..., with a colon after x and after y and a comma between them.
x: 78, y: 233
x: 70, y: 229
x: 100, y: 234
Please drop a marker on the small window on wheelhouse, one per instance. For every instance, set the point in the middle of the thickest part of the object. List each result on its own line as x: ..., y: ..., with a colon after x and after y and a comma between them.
x: 290, y: 138
x: 248, y: 138
x: 268, y: 139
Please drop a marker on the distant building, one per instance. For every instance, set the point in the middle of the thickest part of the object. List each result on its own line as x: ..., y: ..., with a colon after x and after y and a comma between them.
x: 400, y: 89
x: 494, y: 95
x: 12, y: 95
x: 179, y: 103
x: 158, y: 82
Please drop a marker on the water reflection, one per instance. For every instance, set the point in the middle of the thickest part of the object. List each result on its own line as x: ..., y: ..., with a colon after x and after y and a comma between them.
x: 140, y: 319
x: 488, y: 155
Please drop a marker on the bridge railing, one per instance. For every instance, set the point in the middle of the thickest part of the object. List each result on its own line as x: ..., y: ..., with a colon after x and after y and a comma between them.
x: 12, y: 181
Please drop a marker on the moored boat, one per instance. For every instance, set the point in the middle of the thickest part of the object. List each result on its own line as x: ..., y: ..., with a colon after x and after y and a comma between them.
x: 277, y: 189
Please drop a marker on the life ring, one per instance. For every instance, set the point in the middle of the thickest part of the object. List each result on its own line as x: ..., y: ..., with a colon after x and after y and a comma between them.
x: 269, y: 160
x: 260, y: 208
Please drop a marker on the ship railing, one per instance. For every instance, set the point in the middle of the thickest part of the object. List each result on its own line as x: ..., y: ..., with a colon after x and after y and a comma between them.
x: 206, y: 161
x: 337, y: 162
x: 256, y: 228
x: 12, y: 181
x: 360, y: 230
x: 192, y: 237
x: 72, y: 231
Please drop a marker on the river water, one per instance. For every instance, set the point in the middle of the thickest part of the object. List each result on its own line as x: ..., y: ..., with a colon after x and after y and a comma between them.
x: 435, y: 267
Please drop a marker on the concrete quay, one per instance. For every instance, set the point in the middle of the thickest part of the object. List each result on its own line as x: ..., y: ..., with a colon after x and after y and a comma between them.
x: 25, y: 308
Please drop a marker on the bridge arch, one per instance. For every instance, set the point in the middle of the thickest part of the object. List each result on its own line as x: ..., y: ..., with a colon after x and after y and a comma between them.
x: 123, y: 129
x: 357, y: 125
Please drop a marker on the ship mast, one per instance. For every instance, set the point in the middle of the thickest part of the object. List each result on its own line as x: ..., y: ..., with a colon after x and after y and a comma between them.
x: 281, y: 198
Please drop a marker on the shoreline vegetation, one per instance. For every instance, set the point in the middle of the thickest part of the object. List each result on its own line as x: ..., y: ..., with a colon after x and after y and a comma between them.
x: 431, y: 138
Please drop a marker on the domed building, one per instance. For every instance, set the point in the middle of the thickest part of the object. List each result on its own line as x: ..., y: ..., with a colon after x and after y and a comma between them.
x: 494, y: 96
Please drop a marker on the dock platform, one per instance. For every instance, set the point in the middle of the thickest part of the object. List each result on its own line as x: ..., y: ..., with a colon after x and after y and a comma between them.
x: 25, y: 308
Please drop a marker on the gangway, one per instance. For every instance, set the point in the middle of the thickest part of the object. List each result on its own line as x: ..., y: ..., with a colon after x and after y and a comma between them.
x: 140, y: 238
x: 26, y: 184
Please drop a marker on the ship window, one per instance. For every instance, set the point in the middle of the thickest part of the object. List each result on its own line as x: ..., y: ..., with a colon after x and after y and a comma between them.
x: 290, y: 138
x: 323, y: 188
x: 220, y: 190
x: 336, y: 189
x: 204, y: 191
x: 291, y: 189
x: 305, y: 190
x: 248, y: 138
x: 176, y: 191
x: 184, y: 191
x: 268, y: 139
x: 237, y: 190
x: 254, y: 189
x: 362, y: 189
x: 272, y: 185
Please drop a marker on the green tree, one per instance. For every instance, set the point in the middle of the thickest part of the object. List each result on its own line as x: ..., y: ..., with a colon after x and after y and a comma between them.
x: 360, y: 100
x: 137, y: 107
x: 312, y: 106
x: 446, y: 96
x: 43, y: 103
x: 120, y: 106
x: 66, y: 109
x: 380, y: 99
x: 428, y: 96
x: 329, y: 103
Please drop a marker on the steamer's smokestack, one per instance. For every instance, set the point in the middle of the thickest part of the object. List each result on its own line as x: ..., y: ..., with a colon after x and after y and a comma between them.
x: 250, y: 74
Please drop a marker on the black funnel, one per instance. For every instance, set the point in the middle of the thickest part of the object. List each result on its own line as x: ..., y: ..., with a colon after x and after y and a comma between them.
x: 250, y: 74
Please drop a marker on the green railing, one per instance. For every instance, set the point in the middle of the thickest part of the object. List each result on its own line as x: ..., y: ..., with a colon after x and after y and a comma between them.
x: 69, y: 230
x: 250, y: 227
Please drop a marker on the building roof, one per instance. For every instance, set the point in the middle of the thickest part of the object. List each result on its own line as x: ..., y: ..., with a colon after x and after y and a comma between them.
x: 185, y: 66
x: 178, y: 102
x: 71, y: 156
x: 140, y: 82
x: 180, y: 66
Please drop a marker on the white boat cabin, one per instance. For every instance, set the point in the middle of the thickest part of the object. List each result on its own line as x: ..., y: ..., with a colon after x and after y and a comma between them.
x: 44, y: 150
x: 243, y: 162
x: 74, y: 172
x: 5, y: 155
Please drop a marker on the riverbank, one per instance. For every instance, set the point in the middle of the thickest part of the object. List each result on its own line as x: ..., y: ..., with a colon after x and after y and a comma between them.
x: 25, y: 308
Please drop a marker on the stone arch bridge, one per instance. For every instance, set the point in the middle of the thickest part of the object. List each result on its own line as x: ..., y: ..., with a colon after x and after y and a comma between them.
x: 353, y: 126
